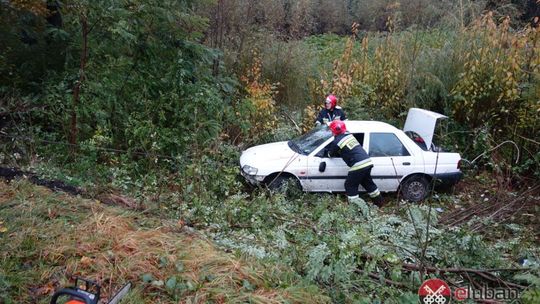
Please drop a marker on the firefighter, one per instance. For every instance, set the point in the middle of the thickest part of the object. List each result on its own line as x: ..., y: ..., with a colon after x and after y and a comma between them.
x: 358, y: 161
x: 330, y: 112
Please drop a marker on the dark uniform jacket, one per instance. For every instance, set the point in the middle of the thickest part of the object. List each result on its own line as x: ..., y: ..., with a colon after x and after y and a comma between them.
x: 351, y: 151
x: 328, y: 116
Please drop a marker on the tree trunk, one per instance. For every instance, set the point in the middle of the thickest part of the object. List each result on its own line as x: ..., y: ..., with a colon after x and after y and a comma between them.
x: 73, y: 130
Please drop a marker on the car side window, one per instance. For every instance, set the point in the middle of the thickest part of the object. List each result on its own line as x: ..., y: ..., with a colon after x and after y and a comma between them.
x: 324, y: 151
x: 386, y: 144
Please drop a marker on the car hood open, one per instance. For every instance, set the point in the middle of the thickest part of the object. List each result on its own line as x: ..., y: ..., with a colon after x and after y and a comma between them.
x: 268, y: 152
x: 422, y: 122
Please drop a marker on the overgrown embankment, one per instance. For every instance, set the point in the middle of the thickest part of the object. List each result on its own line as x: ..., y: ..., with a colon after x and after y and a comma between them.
x: 481, y: 234
x: 46, y: 237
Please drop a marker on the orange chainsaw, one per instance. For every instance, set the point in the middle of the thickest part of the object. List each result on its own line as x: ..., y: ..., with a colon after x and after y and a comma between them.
x: 87, y: 293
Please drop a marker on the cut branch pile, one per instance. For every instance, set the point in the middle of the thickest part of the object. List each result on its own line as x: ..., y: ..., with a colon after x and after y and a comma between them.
x: 486, y: 275
x: 503, y: 208
x: 478, y: 278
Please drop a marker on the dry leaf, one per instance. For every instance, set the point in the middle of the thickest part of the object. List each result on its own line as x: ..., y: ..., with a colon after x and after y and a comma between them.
x: 86, y: 261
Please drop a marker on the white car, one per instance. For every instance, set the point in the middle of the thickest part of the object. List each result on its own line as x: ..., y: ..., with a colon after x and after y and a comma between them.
x: 403, y: 160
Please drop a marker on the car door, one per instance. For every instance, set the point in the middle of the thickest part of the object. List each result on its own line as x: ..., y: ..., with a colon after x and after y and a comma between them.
x: 332, y: 179
x: 392, y: 160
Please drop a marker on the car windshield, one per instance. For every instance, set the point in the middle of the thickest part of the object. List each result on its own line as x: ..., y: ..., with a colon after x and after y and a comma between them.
x: 308, y: 142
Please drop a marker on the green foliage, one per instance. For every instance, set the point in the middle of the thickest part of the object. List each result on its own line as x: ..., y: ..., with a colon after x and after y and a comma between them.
x: 532, y: 294
x: 24, y: 35
x: 148, y: 85
x: 332, y: 243
x: 151, y: 88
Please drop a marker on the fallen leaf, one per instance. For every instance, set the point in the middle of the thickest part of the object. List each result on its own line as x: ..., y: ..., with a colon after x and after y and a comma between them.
x: 86, y: 261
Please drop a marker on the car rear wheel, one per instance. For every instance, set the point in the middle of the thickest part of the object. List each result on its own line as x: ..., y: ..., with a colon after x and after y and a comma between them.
x: 415, y: 188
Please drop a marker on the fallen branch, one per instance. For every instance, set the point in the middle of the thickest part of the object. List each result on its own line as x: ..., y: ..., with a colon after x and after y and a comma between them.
x: 114, y: 199
x: 54, y: 185
x: 499, y: 211
x: 466, y: 271
x: 294, y: 122
x: 379, y: 278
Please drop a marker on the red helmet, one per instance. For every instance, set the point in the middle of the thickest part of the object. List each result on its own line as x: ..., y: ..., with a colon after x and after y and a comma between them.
x: 337, y: 127
x: 332, y: 100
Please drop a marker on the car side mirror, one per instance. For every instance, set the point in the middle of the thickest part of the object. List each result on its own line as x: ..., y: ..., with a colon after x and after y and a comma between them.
x: 322, y: 166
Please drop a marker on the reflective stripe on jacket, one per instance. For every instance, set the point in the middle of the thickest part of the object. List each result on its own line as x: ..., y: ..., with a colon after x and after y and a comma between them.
x: 351, y: 151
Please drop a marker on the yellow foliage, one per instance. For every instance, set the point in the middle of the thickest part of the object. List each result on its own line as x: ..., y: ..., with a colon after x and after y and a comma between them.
x: 340, y: 83
x: 383, y: 74
x: 496, y: 83
x: 386, y: 76
x: 495, y: 65
x: 37, y: 7
x: 261, y: 96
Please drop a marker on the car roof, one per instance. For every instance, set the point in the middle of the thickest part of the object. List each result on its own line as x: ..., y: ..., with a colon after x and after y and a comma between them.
x: 369, y: 125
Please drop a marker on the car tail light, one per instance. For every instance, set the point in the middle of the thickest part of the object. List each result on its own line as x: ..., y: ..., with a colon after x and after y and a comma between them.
x: 459, y: 164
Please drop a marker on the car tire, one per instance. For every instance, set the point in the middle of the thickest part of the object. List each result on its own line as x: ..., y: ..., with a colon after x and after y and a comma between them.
x: 415, y: 188
x: 283, y: 184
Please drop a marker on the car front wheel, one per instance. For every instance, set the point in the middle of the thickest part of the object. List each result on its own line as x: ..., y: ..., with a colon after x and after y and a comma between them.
x: 415, y: 188
x: 284, y: 184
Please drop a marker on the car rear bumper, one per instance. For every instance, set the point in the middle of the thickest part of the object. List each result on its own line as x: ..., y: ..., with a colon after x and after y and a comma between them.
x: 447, y: 179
